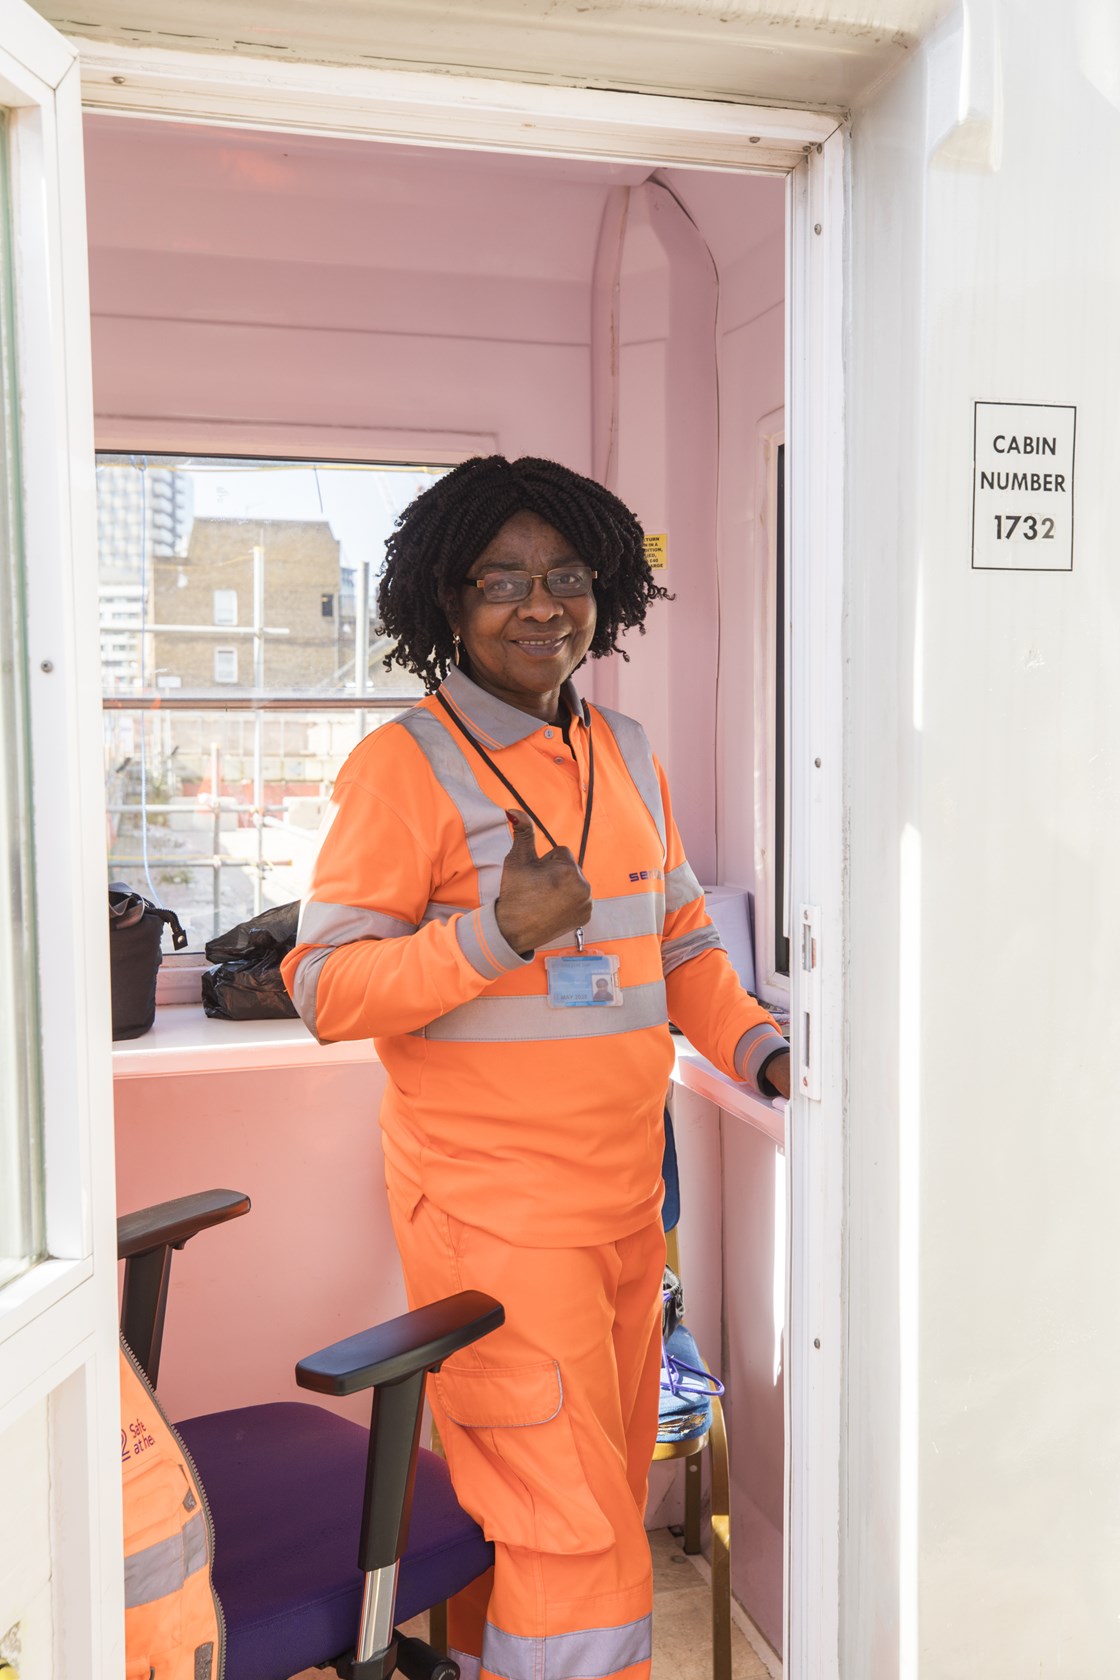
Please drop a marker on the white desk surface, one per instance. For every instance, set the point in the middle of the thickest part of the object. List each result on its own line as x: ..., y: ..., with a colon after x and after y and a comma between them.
x: 184, y: 1040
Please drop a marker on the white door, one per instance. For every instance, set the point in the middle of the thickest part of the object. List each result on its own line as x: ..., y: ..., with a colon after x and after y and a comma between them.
x: 60, y: 1553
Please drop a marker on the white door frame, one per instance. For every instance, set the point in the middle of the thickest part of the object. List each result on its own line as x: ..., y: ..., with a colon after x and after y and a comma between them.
x: 58, y: 1343
x: 810, y: 147
x: 816, y: 1327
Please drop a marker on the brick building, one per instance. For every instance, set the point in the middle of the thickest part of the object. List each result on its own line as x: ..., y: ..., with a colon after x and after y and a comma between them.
x: 211, y: 586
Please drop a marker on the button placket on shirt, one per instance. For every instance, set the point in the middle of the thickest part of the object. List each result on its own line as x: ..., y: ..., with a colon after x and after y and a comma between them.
x: 546, y: 740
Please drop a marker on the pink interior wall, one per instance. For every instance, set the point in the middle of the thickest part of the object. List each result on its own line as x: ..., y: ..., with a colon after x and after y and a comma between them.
x: 313, y: 1261
x: 663, y: 464
x: 326, y: 296
x: 732, y: 1178
x: 752, y: 383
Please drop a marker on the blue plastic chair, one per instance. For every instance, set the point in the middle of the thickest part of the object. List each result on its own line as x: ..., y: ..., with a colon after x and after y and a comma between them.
x: 315, y: 1558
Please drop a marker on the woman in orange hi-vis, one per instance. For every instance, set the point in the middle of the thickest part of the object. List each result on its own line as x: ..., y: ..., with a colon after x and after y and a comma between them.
x: 502, y: 902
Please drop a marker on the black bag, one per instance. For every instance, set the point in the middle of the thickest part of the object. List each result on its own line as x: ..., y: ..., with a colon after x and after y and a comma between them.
x: 135, y: 933
x: 247, y: 985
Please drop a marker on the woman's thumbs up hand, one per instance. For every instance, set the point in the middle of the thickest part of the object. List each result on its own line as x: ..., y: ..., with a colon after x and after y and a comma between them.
x: 541, y: 898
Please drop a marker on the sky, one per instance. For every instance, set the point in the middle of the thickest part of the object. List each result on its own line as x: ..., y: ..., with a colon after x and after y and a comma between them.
x: 361, y: 504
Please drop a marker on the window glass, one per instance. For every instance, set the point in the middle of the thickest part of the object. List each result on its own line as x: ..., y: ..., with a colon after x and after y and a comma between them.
x: 225, y: 606
x: 240, y: 664
x: 21, y: 1176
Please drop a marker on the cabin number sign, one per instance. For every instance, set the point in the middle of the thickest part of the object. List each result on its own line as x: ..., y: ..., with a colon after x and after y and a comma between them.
x: 1022, y: 487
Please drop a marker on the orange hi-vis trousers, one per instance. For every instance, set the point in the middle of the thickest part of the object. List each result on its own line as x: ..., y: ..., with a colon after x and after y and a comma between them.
x: 549, y: 1426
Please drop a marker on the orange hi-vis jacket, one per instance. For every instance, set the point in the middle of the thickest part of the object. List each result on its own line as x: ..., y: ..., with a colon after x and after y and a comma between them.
x: 543, y: 1125
x: 173, y: 1622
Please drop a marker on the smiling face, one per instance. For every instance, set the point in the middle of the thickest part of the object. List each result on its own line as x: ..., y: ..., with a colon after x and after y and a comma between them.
x: 524, y: 653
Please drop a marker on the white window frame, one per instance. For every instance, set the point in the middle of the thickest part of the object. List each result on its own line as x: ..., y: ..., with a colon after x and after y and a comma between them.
x: 222, y: 675
x: 58, y: 1355
x: 255, y: 701
x: 810, y: 148
x: 222, y: 614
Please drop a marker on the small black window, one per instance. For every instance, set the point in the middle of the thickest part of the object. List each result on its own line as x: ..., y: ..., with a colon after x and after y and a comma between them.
x: 326, y: 605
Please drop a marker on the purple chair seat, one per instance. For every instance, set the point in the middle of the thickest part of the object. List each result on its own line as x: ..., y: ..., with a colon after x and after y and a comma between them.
x: 284, y: 1483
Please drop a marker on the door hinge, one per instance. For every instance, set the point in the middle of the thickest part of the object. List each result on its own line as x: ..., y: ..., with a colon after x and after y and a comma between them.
x: 809, y: 1004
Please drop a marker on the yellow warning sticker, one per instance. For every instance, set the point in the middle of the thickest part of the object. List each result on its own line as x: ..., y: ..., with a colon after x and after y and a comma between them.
x: 657, y: 549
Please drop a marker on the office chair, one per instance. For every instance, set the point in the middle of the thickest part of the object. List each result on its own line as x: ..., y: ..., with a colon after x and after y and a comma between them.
x: 311, y: 1512
x: 684, y: 1430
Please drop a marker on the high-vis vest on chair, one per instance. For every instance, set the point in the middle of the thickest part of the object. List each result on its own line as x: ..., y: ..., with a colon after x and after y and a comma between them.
x: 173, y: 1621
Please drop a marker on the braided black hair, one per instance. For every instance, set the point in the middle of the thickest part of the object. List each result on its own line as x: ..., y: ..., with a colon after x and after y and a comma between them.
x: 440, y: 535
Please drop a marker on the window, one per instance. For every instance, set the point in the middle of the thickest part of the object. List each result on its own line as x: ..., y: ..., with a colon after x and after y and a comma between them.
x: 225, y: 666
x: 21, y: 1173
x: 225, y: 610
x: 241, y: 662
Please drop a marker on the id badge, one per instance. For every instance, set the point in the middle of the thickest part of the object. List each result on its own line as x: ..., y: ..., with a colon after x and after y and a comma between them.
x: 589, y: 980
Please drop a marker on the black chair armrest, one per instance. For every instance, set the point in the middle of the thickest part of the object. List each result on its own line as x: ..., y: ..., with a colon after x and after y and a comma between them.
x: 416, y: 1342
x: 145, y: 1240
x: 393, y: 1359
x: 174, y: 1223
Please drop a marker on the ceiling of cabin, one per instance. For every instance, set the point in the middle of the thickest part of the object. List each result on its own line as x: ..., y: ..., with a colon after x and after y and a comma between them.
x: 805, y: 52
x: 195, y: 193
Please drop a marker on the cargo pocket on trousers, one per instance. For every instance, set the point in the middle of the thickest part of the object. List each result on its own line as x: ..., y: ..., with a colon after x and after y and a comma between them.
x: 514, y: 1460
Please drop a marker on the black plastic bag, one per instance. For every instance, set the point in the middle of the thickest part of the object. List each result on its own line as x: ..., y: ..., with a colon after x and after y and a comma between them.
x: 247, y: 985
x: 135, y: 935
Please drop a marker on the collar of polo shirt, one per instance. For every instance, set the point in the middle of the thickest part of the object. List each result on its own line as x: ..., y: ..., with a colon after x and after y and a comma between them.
x: 494, y: 723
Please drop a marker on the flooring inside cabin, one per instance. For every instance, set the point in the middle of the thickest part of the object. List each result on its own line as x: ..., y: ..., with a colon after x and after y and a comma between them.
x: 682, y: 1624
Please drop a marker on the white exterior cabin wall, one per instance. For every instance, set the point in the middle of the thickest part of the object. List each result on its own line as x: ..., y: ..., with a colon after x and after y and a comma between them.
x: 981, y: 1534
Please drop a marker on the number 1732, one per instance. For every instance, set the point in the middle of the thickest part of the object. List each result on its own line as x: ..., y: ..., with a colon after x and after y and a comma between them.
x: 1025, y: 524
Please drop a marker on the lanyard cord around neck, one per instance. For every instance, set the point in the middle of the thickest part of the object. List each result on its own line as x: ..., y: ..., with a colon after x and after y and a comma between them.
x: 508, y: 785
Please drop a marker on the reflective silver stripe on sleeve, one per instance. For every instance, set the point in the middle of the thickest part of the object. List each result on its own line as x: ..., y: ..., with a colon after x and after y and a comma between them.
x: 341, y: 924
x: 443, y: 912
x: 329, y: 926
x: 487, y: 831
x: 638, y: 758
x: 162, y: 1568
x: 483, y: 944
x: 674, y: 952
x: 489, y: 1020
x: 753, y: 1049
x: 593, y: 1654
x: 681, y: 888
x: 470, y: 1668
x: 305, y: 985
x: 631, y: 916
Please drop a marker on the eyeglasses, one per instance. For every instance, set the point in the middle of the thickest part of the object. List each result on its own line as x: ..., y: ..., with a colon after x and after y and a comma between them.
x: 504, y: 588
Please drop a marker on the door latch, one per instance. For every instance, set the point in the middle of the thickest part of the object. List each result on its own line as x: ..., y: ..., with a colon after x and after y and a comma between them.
x: 809, y: 1004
